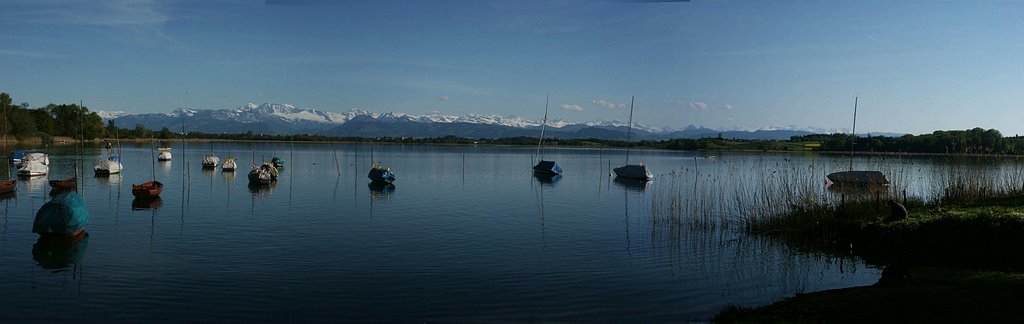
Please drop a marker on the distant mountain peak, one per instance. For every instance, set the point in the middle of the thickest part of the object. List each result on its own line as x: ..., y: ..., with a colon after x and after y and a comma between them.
x: 274, y: 118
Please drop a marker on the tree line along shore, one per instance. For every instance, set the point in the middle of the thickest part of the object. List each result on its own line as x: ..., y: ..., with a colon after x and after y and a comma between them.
x: 57, y: 123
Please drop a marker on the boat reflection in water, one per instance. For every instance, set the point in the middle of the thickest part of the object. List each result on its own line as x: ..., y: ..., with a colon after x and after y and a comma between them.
x: 60, y: 252
x: 381, y: 189
x: 36, y: 183
x: 228, y: 176
x: 56, y: 191
x: 258, y: 189
x: 112, y: 180
x: 632, y: 184
x: 143, y: 203
x: 547, y: 180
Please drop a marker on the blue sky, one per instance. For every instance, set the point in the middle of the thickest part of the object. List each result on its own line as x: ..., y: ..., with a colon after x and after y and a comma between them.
x: 916, y: 66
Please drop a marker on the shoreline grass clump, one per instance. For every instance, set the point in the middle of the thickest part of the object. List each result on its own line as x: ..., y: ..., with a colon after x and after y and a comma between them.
x: 771, y: 196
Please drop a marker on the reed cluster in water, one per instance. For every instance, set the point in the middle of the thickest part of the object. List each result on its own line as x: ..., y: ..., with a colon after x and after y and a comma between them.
x: 966, y: 179
x: 772, y: 194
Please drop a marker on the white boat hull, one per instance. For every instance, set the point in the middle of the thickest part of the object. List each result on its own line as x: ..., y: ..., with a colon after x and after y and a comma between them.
x: 211, y: 161
x: 108, y: 167
x: 33, y: 168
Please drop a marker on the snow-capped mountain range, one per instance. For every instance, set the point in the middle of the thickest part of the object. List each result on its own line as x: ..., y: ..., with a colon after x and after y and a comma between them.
x: 282, y: 119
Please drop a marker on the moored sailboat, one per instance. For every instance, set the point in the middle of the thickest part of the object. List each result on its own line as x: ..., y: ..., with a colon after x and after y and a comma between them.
x: 34, y: 164
x: 381, y: 174
x: 229, y: 165
x: 262, y: 174
x: 378, y: 172
x: 165, y: 154
x: 111, y: 165
x: 857, y: 178
x: 632, y: 171
x: 210, y: 161
x: 149, y: 189
x: 545, y: 168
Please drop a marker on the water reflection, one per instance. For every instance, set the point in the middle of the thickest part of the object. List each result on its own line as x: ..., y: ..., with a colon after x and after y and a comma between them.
x: 547, y: 180
x: 143, y: 203
x: 109, y: 181
x: 381, y: 190
x: 60, y: 190
x: 632, y: 184
x: 36, y: 183
x: 228, y: 176
x: 9, y: 195
x: 60, y: 252
x: 258, y: 189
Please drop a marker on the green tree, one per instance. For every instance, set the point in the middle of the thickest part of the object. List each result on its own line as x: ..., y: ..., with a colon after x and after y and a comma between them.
x: 44, y: 122
x: 141, y: 131
x: 5, y: 108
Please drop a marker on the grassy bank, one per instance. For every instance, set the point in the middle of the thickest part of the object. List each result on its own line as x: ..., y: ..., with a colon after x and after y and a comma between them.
x: 964, y: 258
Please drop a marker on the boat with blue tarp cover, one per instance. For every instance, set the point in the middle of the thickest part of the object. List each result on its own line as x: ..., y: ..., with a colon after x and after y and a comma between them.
x: 381, y: 174
x: 17, y: 155
x: 64, y: 215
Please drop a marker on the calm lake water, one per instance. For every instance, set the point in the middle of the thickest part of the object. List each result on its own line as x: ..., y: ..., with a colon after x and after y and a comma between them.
x: 466, y: 233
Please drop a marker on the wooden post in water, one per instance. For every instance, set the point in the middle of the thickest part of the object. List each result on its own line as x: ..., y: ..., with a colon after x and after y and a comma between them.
x: 854, y: 138
x: 81, y: 142
x: 337, y: 164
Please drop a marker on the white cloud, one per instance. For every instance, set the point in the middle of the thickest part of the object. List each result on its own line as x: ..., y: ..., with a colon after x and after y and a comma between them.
x: 571, y: 107
x: 444, y: 98
x: 102, y: 13
x: 727, y: 107
x: 608, y: 104
x: 699, y: 106
x: 29, y: 54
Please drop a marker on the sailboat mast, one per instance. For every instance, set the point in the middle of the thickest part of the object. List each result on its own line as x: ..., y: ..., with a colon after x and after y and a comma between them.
x: 630, y: 129
x: 153, y: 159
x: 854, y: 139
x: 543, y: 125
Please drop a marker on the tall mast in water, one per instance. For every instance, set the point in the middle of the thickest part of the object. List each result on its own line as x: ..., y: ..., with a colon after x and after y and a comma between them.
x: 543, y: 125
x: 630, y: 129
x: 854, y: 139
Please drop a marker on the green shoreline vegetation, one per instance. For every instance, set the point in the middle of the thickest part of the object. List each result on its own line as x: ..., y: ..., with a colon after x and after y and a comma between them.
x: 71, y: 121
x: 956, y: 256
x: 961, y: 246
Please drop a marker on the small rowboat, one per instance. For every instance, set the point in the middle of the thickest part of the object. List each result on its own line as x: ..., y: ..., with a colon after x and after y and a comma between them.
x: 69, y: 183
x: 148, y: 189
x: 8, y: 186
